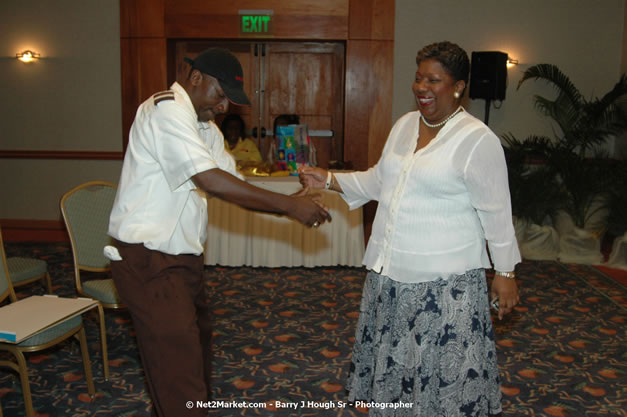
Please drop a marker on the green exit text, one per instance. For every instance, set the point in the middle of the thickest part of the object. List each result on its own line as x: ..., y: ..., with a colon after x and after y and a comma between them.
x: 255, y: 24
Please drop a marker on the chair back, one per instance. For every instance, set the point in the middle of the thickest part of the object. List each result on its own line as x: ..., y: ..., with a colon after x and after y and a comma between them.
x: 6, y: 288
x: 86, y: 210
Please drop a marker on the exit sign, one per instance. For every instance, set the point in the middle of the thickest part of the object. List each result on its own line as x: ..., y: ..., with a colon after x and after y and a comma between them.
x: 255, y: 22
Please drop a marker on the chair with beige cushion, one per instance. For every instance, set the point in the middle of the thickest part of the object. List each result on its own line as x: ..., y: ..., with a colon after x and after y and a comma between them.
x: 86, y: 210
x: 48, y: 337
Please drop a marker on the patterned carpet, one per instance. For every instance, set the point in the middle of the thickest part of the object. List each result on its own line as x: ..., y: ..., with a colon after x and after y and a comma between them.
x: 285, y: 335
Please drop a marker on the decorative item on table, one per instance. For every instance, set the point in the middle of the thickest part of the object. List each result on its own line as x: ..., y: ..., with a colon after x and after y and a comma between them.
x: 294, y: 148
x: 254, y: 168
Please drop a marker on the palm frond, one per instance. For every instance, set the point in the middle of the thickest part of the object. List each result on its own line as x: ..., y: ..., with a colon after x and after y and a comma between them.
x: 555, y: 76
x: 599, y: 120
x: 533, y: 147
x: 561, y: 110
x: 611, y: 107
x: 618, y: 92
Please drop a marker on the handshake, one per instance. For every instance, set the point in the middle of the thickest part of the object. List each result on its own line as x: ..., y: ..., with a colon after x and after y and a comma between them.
x: 318, y: 213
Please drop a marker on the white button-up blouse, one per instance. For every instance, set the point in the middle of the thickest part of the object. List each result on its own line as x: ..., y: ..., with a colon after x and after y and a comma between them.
x: 438, y: 206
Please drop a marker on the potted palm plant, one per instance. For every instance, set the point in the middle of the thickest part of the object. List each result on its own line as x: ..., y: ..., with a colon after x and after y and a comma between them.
x: 575, y: 173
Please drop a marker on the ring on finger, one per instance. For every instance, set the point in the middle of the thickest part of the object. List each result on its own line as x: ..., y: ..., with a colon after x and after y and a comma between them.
x: 316, y: 224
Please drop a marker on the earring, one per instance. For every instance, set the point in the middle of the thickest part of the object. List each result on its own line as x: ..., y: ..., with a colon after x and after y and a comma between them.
x: 456, y: 94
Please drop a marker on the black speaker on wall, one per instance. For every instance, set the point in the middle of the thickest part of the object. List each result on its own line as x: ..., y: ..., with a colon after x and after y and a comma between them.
x: 488, y: 75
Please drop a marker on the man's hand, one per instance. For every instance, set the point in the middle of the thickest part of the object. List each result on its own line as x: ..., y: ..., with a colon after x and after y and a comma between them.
x: 303, y: 199
x: 507, y: 291
x: 311, y: 177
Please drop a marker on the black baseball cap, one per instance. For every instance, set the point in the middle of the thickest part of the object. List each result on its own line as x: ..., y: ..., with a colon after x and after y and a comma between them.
x: 221, y: 64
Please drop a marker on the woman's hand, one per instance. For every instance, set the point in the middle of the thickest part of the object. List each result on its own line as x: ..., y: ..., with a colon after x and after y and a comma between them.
x: 311, y: 177
x: 507, y: 291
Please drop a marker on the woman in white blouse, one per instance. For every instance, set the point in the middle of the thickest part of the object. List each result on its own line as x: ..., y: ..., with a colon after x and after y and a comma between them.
x: 424, y: 339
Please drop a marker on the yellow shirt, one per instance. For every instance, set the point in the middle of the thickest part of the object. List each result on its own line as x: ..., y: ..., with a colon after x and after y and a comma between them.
x: 244, y: 150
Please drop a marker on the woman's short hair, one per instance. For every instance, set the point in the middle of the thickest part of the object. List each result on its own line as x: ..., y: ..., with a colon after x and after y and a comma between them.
x: 451, y: 56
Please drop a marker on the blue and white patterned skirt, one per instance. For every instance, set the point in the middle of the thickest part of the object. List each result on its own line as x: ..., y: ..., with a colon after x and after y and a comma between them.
x: 427, y: 347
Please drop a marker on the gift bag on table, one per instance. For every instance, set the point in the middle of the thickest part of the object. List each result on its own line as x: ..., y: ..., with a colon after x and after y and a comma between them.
x: 293, y: 148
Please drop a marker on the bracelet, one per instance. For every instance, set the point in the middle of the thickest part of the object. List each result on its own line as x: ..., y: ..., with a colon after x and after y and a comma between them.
x: 329, y: 180
x: 508, y: 275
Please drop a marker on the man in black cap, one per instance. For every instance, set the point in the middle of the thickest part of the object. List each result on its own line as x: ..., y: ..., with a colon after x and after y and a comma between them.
x: 159, y: 224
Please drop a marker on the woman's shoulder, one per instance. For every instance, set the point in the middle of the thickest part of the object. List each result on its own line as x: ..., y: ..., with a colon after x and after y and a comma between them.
x: 470, y: 119
x: 473, y: 124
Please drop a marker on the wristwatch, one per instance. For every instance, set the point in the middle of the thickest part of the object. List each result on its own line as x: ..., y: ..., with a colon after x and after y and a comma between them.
x: 508, y: 275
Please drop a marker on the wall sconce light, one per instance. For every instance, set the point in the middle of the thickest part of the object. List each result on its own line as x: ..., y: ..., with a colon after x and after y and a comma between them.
x: 511, y: 62
x: 27, y: 56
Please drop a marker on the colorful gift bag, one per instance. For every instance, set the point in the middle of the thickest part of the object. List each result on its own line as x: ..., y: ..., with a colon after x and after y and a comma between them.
x: 293, y: 148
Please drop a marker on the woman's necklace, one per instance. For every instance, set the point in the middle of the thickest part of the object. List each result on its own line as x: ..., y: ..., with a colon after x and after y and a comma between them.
x: 443, y: 122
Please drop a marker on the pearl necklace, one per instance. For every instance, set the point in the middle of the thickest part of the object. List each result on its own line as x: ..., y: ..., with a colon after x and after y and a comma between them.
x: 443, y: 122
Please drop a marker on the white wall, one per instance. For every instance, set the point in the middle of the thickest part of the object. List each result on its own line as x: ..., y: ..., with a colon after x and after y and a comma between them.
x: 68, y: 100
x: 584, y: 38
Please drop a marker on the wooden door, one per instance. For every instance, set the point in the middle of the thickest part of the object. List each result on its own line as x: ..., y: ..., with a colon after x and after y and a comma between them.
x: 307, y: 79
x: 303, y: 78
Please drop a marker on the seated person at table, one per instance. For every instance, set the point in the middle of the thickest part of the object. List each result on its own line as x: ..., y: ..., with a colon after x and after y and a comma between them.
x: 235, y: 140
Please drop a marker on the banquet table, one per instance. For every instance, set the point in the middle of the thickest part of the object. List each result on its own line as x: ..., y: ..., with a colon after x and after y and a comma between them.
x: 237, y: 237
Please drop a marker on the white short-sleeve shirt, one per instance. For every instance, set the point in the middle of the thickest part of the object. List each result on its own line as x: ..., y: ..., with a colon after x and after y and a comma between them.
x: 157, y: 202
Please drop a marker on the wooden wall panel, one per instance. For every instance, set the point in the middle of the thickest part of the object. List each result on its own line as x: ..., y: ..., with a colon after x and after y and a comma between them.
x: 371, y: 19
x: 368, y: 107
x: 289, y: 7
x: 294, y: 19
x: 226, y: 26
x: 142, y: 18
x: 357, y: 97
x: 143, y: 64
x: 368, y: 100
x: 381, y: 59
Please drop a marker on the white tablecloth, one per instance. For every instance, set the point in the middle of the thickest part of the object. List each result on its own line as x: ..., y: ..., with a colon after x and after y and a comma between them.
x: 239, y: 237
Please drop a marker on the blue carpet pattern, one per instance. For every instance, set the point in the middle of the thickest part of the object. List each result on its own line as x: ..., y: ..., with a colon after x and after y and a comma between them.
x: 284, y: 336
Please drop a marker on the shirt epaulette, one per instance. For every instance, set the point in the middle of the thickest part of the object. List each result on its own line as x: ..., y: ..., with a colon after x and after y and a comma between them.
x: 162, y: 96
